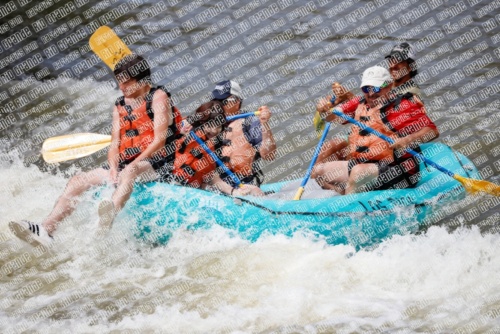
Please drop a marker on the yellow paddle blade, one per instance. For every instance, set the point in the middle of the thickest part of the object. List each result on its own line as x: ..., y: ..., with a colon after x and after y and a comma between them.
x: 319, y: 124
x: 474, y: 186
x: 108, y: 46
x: 69, y: 147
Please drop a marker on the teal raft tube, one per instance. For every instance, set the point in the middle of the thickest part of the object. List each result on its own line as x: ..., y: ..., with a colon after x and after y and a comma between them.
x: 157, y: 209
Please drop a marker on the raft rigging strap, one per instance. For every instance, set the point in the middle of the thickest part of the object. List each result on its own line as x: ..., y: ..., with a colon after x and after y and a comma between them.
x: 379, y: 212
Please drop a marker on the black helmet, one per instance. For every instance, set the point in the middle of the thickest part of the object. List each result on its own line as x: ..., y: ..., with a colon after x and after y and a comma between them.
x: 404, y: 52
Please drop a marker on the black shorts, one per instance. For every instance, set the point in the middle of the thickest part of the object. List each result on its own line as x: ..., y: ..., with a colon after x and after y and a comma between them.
x: 396, y: 175
x: 160, y: 166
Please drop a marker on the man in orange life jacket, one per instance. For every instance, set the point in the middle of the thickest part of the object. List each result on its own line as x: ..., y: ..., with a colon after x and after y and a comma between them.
x: 374, y: 164
x: 403, y: 69
x: 245, y: 140
x: 193, y: 166
x: 145, y: 124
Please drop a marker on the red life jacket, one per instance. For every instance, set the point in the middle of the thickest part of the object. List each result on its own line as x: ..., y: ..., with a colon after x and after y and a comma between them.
x: 137, y: 128
x: 192, y: 165
x: 407, y: 116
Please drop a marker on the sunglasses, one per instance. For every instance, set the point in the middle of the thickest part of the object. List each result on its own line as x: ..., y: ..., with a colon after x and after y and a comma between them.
x: 368, y: 89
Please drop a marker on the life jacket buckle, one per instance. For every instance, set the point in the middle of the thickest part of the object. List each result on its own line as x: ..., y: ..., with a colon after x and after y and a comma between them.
x: 196, y: 153
x: 364, y: 133
x: 190, y: 171
x: 132, y: 133
x: 130, y: 118
x: 362, y: 149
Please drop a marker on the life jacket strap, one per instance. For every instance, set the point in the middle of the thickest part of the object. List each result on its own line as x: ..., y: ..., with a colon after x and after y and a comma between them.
x: 130, y: 151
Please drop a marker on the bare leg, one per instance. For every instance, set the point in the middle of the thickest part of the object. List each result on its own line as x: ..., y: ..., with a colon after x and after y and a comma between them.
x: 338, y: 187
x: 332, y: 150
x: 66, y: 203
x: 108, y: 209
x: 331, y: 172
x: 141, y: 170
x: 361, y: 175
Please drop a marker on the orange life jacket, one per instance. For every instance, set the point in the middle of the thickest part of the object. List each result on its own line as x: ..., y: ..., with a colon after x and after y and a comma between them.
x: 137, y: 128
x: 192, y: 165
x: 365, y: 146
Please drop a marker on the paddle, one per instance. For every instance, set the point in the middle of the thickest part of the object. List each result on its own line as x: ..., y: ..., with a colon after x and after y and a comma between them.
x: 319, y: 123
x: 78, y: 145
x: 69, y: 147
x: 216, y: 159
x: 110, y: 49
x: 235, y: 117
x: 300, y: 191
x: 471, y: 185
x: 340, y: 94
x: 108, y: 46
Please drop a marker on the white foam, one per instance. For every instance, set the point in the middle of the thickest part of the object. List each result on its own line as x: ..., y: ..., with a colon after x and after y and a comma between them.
x: 207, y: 281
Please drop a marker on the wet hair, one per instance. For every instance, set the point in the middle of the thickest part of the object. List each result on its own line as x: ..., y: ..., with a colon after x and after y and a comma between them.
x: 210, y: 113
x: 132, y: 66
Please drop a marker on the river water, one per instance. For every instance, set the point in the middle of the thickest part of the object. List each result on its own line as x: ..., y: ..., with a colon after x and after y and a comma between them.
x: 285, y: 54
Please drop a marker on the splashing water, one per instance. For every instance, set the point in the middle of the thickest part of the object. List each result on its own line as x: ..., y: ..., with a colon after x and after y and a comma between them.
x: 211, y: 280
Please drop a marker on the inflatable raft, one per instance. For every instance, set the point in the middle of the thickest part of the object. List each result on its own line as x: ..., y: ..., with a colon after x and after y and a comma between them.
x: 363, y: 219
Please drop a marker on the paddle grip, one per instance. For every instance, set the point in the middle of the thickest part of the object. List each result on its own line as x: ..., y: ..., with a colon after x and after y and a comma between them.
x: 299, y: 193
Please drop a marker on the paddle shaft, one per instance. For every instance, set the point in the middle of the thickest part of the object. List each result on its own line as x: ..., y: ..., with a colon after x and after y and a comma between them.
x: 313, y: 162
x: 216, y: 159
x: 235, y: 117
x: 391, y: 141
x: 315, y: 156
